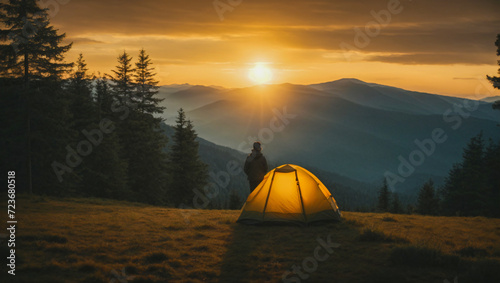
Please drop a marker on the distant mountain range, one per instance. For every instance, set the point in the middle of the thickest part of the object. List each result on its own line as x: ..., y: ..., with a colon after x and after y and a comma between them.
x: 349, y: 127
x: 350, y: 194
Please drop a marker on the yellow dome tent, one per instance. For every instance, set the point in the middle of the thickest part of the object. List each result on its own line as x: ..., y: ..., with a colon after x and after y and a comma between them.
x: 290, y: 193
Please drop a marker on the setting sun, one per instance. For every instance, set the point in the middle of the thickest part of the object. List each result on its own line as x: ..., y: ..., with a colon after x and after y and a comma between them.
x: 260, y: 74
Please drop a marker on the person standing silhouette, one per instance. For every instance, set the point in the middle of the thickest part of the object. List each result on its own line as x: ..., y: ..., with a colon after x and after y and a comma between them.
x: 255, y: 166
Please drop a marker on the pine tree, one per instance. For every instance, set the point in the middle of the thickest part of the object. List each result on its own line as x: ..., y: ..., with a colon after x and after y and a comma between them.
x: 146, y: 85
x: 492, y: 167
x: 452, y: 191
x: 235, y: 202
x: 34, y: 47
x: 396, y: 206
x: 473, y: 185
x: 103, y: 172
x: 13, y: 130
x: 189, y: 174
x: 410, y: 209
x: 79, y: 87
x: 108, y: 159
x: 141, y: 140
x: 144, y: 144
x: 427, y: 203
x: 474, y: 176
x: 384, y: 197
x: 495, y: 81
x: 103, y: 98
x: 122, y: 82
x: 49, y: 133
x: 465, y: 189
x: 32, y: 57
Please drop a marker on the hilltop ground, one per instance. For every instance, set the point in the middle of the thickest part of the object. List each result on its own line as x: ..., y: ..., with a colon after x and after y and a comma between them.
x: 92, y: 240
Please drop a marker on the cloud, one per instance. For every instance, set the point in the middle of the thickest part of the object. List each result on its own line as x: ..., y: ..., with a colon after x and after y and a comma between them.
x: 462, y: 37
x: 82, y: 40
x: 433, y: 59
x: 425, y: 32
x: 465, y: 79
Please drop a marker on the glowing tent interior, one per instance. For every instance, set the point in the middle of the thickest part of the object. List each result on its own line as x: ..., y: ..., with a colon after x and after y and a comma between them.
x: 290, y: 193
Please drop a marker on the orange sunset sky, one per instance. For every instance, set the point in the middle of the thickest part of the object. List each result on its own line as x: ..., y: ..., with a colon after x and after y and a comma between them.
x: 444, y: 47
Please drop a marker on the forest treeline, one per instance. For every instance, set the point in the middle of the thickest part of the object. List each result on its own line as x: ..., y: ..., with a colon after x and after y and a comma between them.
x: 70, y: 133
x: 472, y: 187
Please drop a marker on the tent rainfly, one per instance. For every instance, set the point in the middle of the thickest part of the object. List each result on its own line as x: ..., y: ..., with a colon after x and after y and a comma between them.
x: 290, y: 193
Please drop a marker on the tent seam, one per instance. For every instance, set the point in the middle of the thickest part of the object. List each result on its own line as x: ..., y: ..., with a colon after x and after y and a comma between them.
x: 268, y: 194
x: 300, y: 194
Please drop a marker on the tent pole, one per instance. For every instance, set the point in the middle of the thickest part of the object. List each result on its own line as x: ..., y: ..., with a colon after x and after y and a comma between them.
x: 300, y: 194
x: 268, y: 193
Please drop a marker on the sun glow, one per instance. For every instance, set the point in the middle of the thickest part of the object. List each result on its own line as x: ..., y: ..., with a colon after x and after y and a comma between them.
x: 260, y: 74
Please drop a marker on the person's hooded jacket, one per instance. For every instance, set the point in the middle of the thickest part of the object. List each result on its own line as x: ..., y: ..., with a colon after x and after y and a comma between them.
x: 255, y: 166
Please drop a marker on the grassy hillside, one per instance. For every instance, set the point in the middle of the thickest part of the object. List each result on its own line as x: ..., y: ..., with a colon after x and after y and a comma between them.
x: 92, y: 240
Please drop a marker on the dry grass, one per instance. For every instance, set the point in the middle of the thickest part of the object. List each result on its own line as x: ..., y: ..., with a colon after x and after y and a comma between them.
x: 91, y: 240
x: 448, y: 234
